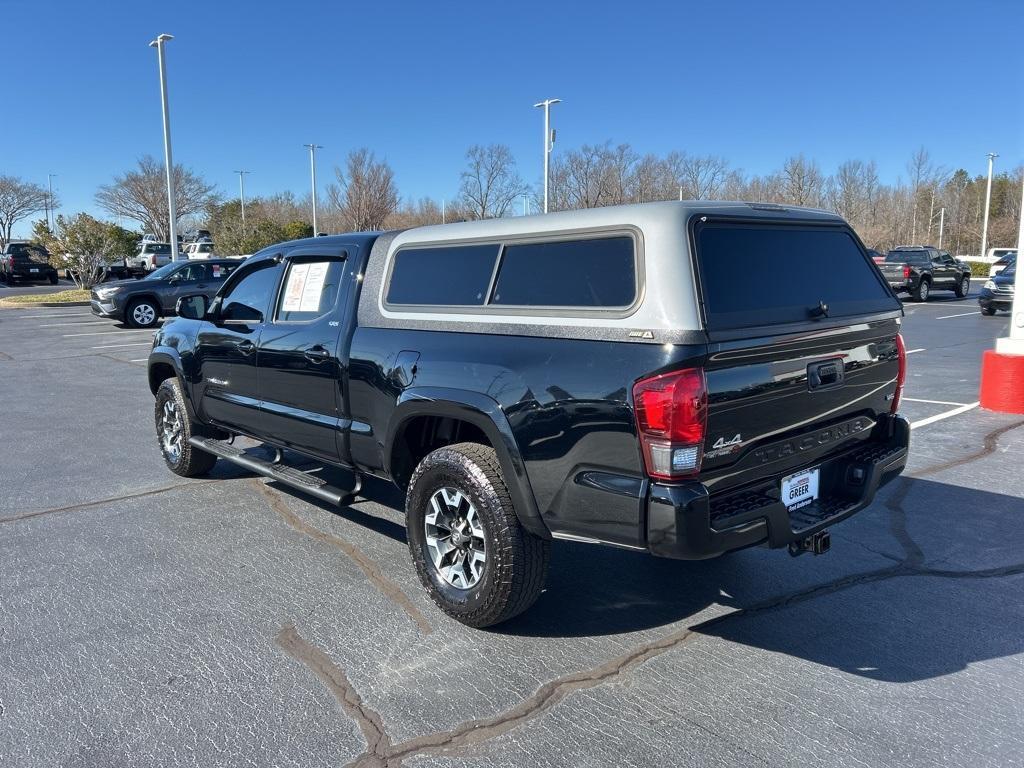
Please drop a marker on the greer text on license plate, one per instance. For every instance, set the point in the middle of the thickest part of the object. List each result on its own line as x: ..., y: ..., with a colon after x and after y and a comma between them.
x: 800, y: 489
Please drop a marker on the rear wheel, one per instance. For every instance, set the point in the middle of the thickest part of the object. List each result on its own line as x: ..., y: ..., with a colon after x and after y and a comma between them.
x: 142, y: 313
x: 53, y: 278
x: 922, y: 291
x: 476, y: 561
x: 173, y: 430
x: 964, y: 287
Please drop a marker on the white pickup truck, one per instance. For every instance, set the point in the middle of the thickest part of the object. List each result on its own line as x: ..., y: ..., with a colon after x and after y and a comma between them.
x: 150, y: 256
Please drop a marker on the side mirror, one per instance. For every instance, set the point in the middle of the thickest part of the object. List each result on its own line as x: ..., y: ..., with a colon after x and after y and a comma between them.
x: 193, y: 306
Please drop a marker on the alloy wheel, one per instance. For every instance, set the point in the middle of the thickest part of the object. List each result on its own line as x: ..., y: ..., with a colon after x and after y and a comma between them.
x: 170, y: 431
x: 455, y: 538
x: 144, y: 314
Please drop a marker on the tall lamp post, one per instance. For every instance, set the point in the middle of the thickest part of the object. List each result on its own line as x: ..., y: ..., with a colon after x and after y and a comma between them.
x: 988, y: 199
x: 549, y: 141
x: 312, y: 173
x: 172, y: 211
x: 241, y: 195
x: 49, y: 201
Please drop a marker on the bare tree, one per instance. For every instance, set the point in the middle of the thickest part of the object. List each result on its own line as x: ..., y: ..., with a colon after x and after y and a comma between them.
x: 365, y: 194
x: 19, y: 199
x: 700, y: 176
x: 853, y: 190
x: 580, y: 177
x: 141, y: 195
x: 490, y: 183
x: 802, y: 181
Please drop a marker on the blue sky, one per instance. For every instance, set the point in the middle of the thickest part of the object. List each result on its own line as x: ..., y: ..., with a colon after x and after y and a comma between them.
x: 418, y: 82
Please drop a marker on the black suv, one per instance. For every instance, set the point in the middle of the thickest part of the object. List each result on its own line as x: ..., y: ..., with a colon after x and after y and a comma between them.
x: 26, y: 261
x: 686, y: 379
x: 919, y: 270
x: 141, y: 303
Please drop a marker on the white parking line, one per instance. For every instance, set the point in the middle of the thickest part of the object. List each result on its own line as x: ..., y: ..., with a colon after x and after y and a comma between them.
x: 128, y: 344
x: 73, y: 322
x: 962, y: 314
x: 944, y: 415
x: 932, y: 402
x: 912, y: 351
x: 52, y: 314
x: 105, y: 333
x: 140, y: 360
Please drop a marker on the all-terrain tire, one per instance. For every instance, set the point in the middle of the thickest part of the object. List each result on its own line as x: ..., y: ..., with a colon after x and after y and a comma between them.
x: 516, y: 562
x: 186, y: 460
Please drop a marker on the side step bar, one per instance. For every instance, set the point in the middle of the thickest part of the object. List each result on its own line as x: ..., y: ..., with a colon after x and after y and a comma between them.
x: 282, y: 473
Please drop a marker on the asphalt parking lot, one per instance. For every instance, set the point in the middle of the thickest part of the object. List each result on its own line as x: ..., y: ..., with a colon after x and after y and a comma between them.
x: 150, y: 620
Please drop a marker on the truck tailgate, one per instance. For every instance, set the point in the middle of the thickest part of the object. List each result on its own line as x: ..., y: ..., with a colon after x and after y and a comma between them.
x: 777, y: 404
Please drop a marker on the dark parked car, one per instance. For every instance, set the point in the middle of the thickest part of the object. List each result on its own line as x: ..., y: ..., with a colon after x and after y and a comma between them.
x: 875, y: 256
x: 141, y: 303
x: 26, y: 261
x: 609, y: 376
x: 919, y: 270
x: 997, y: 293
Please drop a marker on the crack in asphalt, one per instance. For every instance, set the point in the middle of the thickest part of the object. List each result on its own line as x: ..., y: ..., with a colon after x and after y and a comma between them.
x: 5, y: 356
x: 370, y: 569
x: 110, y: 500
x: 990, y: 443
x: 381, y: 753
x: 369, y: 722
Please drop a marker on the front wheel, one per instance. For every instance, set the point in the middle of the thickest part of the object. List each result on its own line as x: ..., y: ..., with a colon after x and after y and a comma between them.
x: 989, y: 311
x: 53, y: 278
x: 477, y: 563
x: 964, y: 287
x: 142, y: 313
x: 173, y: 430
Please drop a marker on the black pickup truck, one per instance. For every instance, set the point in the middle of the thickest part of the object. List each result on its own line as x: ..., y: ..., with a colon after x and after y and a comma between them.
x: 686, y: 379
x: 919, y: 270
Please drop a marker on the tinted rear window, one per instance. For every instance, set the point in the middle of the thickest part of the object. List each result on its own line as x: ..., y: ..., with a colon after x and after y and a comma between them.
x: 444, y: 276
x: 755, y: 275
x: 597, y: 272
x: 907, y: 257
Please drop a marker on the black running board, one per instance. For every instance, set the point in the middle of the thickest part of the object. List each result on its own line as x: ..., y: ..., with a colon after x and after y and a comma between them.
x: 282, y: 473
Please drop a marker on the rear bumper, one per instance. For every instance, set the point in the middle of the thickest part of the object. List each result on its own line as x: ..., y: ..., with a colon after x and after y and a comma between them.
x: 26, y: 273
x: 685, y: 522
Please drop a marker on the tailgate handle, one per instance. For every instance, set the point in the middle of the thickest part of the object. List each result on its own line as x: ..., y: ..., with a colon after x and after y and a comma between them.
x: 825, y: 375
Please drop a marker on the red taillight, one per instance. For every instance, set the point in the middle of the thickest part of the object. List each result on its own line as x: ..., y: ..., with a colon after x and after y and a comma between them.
x: 901, y: 373
x: 906, y: 273
x: 671, y: 416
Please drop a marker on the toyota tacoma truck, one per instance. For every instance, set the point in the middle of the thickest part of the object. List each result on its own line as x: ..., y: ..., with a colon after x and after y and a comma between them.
x: 685, y: 379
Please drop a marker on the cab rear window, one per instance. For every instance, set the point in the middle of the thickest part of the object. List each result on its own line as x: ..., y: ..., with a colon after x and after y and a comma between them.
x: 765, y: 274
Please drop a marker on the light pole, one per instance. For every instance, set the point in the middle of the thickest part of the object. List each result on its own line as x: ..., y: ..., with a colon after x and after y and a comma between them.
x: 241, y: 195
x: 988, y: 199
x: 168, y: 163
x: 312, y: 172
x: 549, y: 140
x: 49, y: 200
x: 526, y: 205
x: 942, y: 224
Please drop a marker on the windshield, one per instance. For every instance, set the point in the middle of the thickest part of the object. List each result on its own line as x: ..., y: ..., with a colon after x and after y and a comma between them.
x: 157, y: 248
x: 164, y: 271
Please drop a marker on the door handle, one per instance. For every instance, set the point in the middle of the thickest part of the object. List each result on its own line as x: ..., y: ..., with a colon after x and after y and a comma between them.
x: 245, y: 347
x: 316, y: 354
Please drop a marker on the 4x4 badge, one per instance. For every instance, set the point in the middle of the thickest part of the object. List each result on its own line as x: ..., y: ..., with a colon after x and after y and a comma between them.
x: 723, y: 443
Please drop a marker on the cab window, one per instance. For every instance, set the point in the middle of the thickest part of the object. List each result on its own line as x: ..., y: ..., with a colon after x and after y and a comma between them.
x: 248, y: 299
x: 310, y: 290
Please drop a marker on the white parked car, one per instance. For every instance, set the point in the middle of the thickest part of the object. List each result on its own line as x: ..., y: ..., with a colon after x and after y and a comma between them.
x: 200, y: 250
x: 995, y: 254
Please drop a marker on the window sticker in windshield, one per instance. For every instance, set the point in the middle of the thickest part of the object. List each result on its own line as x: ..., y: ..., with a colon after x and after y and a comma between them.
x: 216, y: 270
x: 304, y: 288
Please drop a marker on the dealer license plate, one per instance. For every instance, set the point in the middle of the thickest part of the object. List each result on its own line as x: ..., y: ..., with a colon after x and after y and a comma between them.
x: 33, y: 269
x: 800, y: 489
